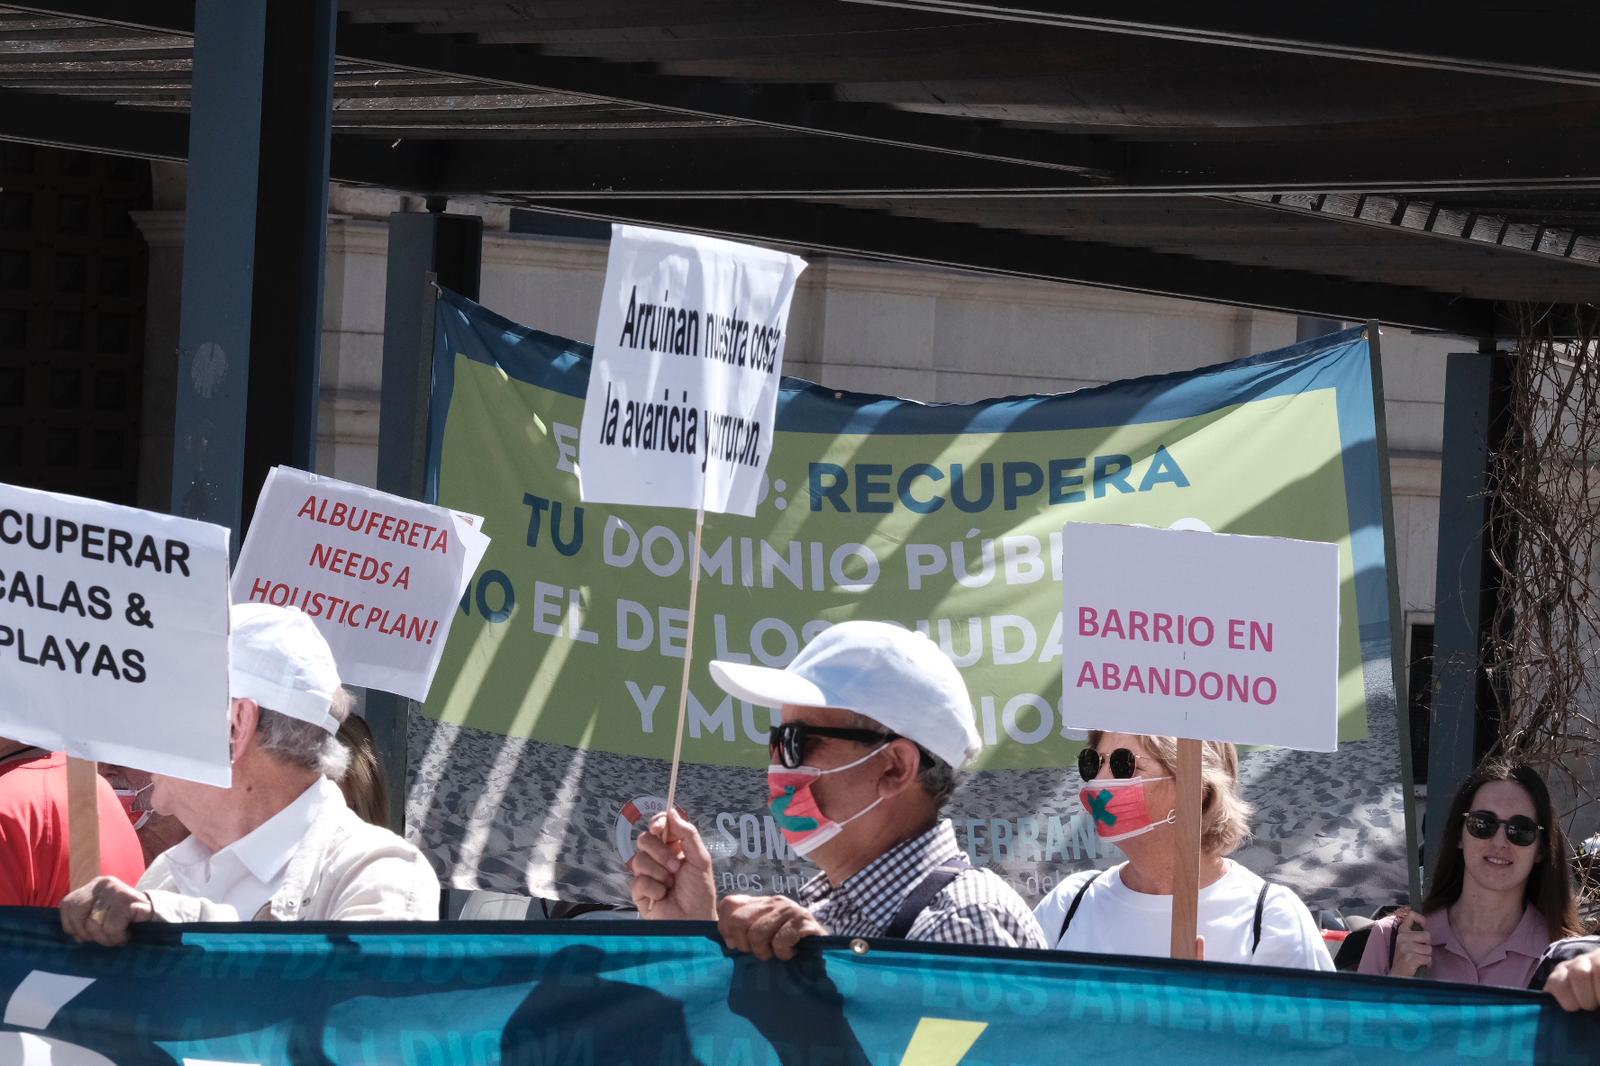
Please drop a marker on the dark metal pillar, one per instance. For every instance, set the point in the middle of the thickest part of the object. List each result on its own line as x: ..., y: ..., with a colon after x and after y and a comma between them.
x: 422, y: 248
x: 1465, y: 700
x: 254, y: 241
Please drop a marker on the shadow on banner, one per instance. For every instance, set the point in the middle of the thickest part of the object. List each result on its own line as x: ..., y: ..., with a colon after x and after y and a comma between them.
x: 546, y: 740
x: 357, y: 994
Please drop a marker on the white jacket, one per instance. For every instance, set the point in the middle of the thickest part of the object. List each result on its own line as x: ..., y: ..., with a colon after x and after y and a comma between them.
x: 343, y: 870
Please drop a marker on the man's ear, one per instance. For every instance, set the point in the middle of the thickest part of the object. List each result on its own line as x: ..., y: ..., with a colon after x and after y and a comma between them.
x: 902, y: 759
x: 243, y: 717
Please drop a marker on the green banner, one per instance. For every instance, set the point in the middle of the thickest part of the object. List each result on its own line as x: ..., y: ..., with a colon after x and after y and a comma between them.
x: 945, y: 518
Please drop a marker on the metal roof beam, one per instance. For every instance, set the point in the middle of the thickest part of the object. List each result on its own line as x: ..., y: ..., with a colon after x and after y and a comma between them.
x: 777, y: 168
x: 808, y: 109
x: 714, y: 167
x: 157, y: 16
x: 1457, y: 161
x: 1568, y: 246
x: 799, y: 108
x: 92, y: 125
x: 879, y: 235
x: 1066, y: 164
x: 785, y: 168
x: 1470, y: 36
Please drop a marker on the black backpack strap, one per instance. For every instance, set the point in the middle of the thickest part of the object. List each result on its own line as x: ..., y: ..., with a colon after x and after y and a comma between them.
x: 922, y: 893
x: 1394, y: 937
x: 1261, y: 905
x: 1077, y: 899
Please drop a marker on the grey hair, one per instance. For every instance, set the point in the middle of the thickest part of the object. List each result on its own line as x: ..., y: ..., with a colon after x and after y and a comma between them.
x: 306, y: 744
x: 937, y: 777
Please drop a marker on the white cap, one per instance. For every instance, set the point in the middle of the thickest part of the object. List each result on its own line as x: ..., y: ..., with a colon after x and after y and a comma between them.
x: 277, y: 658
x: 897, y: 677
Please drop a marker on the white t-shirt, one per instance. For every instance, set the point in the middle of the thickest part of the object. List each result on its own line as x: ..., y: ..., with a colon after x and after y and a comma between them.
x: 1113, y: 919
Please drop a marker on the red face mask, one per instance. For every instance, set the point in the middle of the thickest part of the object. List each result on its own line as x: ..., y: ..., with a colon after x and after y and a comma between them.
x: 795, y: 809
x: 134, y: 804
x: 1118, y: 808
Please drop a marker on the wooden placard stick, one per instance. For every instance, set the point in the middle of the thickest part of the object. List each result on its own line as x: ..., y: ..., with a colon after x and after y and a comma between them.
x: 688, y: 652
x: 688, y: 661
x: 1186, y: 846
x: 83, y: 820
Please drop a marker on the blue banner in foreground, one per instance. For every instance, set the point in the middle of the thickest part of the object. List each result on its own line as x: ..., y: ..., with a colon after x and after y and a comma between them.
x: 613, y: 993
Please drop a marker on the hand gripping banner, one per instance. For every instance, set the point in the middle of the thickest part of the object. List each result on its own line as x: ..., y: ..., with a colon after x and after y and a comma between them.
x: 669, y: 994
x: 543, y: 747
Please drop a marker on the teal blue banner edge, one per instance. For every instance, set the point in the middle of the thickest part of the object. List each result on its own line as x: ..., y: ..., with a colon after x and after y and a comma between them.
x: 350, y: 994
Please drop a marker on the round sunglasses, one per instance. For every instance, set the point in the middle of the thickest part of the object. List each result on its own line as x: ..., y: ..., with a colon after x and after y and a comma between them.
x: 1122, y: 763
x: 1520, y: 829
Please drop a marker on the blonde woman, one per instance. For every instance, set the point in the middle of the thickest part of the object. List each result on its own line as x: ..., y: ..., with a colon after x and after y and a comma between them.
x: 1130, y: 792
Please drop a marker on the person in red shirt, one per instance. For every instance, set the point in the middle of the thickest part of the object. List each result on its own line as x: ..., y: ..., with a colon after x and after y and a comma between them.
x: 34, y: 845
x: 157, y: 832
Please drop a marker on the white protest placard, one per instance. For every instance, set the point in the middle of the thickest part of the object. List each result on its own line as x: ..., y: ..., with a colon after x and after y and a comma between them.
x: 1201, y: 635
x: 684, y: 385
x: 379, y: 574
x: 114, y: 634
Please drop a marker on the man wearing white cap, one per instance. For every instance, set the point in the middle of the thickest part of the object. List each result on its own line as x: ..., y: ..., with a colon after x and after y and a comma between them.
x: 280, y: 844
x: 876, y: 723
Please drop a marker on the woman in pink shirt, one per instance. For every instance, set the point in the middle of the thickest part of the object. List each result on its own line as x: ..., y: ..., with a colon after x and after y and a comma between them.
x: 1500, y: 893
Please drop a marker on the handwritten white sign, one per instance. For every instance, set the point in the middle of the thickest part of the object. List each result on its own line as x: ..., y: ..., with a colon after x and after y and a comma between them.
x: 1200, y: 635
x: 684, y: 385
x: 379, y: 574
x: 114, y: 634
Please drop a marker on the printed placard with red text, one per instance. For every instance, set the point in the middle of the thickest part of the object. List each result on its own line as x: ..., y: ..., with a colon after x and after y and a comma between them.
x: 1202, y: 635
x: 379, y: 574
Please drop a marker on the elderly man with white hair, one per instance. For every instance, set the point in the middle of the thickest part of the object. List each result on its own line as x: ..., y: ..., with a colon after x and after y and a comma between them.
x: 280, y: 844
x: 876, y: 726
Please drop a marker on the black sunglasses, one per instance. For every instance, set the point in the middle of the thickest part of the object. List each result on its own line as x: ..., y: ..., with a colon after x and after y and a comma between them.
x: 1089, y: 762
x: 1520, y: 829
x: 788, y: 740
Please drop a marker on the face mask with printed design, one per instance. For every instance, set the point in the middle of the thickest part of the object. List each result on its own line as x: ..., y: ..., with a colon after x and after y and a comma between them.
x: 795, y: 809
x: 1119, y: 809
x: 134, y: 804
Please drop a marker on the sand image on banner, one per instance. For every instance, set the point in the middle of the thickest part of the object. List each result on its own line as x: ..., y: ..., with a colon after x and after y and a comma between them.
x: 547, y: 736
x: 684, y: 384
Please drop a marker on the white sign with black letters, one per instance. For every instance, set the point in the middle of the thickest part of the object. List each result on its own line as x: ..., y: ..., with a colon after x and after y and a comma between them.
x: 1200, y: 635
x: 114, y: 634
x: 684, y: 384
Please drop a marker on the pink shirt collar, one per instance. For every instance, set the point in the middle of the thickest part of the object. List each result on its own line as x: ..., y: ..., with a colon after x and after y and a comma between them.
x: 1518, y: 954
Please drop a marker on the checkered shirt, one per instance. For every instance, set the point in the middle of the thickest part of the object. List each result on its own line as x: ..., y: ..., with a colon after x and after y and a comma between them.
x: 1560, y: 952
x: 977, y: 907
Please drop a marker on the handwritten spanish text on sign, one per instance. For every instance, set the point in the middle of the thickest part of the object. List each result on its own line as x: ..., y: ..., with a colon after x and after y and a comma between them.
x: 379, y: 574
x: 1201, y: 635
x: 114, y: 634
x: 687, y: 357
